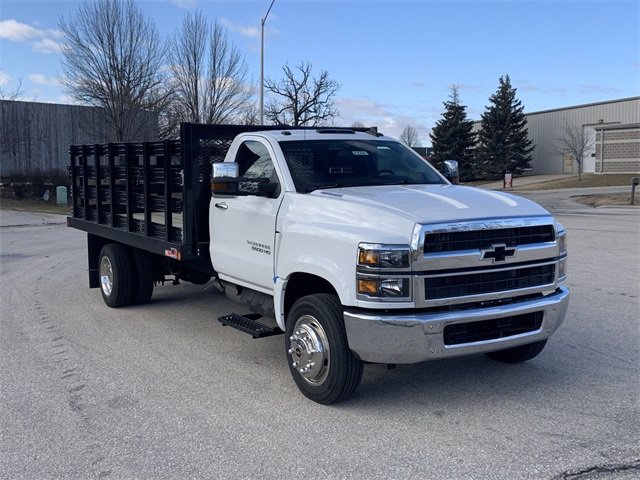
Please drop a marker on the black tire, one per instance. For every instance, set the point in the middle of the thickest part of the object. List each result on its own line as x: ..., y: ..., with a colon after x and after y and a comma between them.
x: 518, y: 354
x: 143, y: 277
x: 317, y: 320
x: 115, y: 270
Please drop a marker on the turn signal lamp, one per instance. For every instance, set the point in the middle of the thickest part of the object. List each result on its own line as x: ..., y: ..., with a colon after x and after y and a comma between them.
x: 383, y: 256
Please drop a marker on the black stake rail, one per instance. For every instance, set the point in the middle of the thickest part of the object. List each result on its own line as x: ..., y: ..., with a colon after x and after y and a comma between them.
x: 127, y: 188
x: 133, y: 193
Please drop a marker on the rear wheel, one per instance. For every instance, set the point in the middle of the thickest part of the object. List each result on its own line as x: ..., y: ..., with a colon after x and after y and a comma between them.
x: 518, y: 354
x: 115, y: 275
x: 143, y: 278
x: 320, y: 361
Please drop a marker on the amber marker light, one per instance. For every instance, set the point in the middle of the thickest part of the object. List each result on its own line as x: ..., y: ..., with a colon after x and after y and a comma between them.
x: 368, y: 286
x: 368, y: 257
x: 217, y: 186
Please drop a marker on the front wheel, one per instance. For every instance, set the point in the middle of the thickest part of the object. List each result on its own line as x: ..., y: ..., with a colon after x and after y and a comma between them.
x: 518, y: 354
x: 321, y: 363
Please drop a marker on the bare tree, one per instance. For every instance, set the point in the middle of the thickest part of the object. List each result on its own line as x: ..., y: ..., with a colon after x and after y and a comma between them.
x: 12, y: 134
x: 301, y: 99
x: 574, y: 143
x: 169, y: 119
x: 357, y: 124
x: 187, y: 65
x: 250, y: 115
x: 210, y: 74
x: 15, y: 94
x: 229, y: 91
x: 112, y: 58
x: 409, y: 136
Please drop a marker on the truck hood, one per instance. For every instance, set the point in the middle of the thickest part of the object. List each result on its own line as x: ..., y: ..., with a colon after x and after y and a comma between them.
x: 437, y: 203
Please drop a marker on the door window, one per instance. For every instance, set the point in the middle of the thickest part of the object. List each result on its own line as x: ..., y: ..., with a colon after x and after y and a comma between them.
x: 254, y: 161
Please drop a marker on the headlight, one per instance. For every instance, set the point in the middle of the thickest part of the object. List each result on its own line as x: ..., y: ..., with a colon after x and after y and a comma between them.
x: 384, y: 272
x: 375, y: 256
x: 383, y: 287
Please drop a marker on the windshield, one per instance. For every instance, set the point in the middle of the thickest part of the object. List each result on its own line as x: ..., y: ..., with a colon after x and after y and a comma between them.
x: 316, y: 164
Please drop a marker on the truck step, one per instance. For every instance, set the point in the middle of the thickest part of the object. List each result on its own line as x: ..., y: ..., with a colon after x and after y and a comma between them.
x: 248, y: 324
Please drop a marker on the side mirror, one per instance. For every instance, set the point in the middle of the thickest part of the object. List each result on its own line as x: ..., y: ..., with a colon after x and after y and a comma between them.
x: 451, y: 171
x: 225, y: 169
x: 225, y: 181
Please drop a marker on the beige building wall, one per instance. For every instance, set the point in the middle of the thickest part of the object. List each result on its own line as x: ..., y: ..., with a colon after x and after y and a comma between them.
x: 617, y: 149
x: 546, y: 130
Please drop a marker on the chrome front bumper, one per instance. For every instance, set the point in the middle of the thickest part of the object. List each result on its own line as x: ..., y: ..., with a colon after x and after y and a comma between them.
x: 412, y: 338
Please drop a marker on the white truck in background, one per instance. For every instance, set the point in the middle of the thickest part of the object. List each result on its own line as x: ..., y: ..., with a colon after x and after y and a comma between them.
x: 345, y: 240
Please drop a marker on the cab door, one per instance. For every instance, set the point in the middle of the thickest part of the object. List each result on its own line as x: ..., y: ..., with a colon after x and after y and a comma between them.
x: 243, y: 228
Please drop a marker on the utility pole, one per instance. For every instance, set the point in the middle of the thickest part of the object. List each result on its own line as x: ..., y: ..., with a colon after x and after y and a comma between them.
x: 262, y: 22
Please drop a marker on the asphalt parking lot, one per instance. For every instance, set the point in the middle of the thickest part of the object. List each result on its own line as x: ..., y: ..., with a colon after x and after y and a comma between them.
x: 164, y: 391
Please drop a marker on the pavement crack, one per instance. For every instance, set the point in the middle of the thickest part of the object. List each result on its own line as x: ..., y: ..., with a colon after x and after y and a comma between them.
x: 76, y: 388
x: 597, y: 469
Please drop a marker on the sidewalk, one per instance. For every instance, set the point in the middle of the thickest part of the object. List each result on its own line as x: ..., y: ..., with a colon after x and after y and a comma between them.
x: 523, y: 181
x: 16, y: 218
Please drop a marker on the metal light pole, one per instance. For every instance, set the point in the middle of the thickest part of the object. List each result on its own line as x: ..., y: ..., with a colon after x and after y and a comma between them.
x: 262, y: 22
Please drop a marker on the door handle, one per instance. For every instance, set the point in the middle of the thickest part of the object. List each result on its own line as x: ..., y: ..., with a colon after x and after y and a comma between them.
x: 222, y: 205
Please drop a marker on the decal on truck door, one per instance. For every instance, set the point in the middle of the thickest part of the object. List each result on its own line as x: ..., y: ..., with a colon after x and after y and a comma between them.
x: 259, y: 247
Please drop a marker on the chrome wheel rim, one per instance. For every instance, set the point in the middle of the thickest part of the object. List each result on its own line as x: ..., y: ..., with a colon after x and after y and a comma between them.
x: 309, y: 350
x: 106, y: 276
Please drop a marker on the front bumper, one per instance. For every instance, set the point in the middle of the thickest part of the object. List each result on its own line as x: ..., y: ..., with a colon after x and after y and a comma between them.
x: 412, y: 338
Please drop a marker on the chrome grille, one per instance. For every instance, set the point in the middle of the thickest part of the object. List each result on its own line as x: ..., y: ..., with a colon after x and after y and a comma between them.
x: 471, y: 283
x: 437, y: 242
x: 452, y: 267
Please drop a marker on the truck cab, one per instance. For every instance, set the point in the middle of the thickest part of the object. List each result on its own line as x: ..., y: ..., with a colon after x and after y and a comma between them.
x: 420, y: 268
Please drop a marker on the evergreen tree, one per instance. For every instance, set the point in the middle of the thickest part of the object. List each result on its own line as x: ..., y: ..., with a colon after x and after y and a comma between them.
x: 452, y: 138
x: 503, y: 142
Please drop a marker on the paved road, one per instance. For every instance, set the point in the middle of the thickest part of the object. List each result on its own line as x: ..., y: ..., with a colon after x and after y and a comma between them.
x: 563, y: 201
x: 164, y: 391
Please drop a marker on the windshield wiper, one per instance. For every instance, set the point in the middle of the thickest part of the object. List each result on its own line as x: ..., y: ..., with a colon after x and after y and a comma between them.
x: 402, y: 182
x: 411, y: 182
x: 327, y: 186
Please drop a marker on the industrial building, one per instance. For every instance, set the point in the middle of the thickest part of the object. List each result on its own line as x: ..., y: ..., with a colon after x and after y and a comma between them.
x: 612, y: 129
x: 36, y: 136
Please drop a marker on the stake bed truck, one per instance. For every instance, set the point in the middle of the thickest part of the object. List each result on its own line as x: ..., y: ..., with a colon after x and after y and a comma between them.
x: 345, y: 240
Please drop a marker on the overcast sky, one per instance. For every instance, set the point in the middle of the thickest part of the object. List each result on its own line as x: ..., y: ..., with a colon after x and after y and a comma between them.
x: 395, y: 60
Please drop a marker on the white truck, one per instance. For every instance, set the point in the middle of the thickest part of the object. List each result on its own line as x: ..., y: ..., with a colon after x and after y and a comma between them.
x: 345, y: 240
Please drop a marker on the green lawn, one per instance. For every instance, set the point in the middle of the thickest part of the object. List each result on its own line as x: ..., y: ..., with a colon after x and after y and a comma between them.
x: 588, y: 180
x: 609, y: 200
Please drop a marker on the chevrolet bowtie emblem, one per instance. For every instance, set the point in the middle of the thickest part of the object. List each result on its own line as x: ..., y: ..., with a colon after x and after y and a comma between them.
x: 498, y: 252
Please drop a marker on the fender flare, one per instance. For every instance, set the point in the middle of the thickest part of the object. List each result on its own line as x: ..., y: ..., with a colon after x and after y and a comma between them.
x: 280, y: 287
